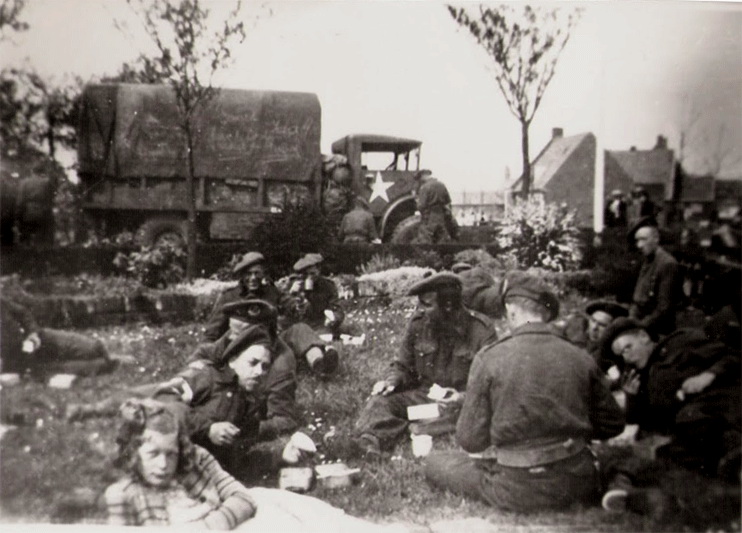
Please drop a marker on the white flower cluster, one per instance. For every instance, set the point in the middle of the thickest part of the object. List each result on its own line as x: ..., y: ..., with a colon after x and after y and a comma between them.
x: 543, y: 235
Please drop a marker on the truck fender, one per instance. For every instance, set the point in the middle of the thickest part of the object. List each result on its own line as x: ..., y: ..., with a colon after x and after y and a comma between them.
x: 405, y: 204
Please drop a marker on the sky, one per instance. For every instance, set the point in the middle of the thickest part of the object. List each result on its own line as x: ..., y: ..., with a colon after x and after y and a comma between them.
x: 631, y: 71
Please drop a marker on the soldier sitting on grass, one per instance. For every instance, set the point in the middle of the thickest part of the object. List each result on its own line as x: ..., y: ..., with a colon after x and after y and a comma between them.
x: 316, y: 310
x: 437, y: 348
x: 302, y: 308
x: 276, y: 395
x: 538, y: 400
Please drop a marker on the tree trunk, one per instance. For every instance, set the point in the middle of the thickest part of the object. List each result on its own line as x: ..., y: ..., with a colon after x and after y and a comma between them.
x: 526, y: 188
x: 191, y: 226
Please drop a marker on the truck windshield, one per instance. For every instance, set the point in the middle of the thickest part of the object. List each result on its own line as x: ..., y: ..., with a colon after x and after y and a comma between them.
x: 391, y: 160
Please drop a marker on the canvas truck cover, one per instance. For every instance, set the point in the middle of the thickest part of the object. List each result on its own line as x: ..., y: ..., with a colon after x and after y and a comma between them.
x: 130, y: 130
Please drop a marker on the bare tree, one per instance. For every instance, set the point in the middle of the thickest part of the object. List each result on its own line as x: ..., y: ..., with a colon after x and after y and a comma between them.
x: 10, y: 11
x: 38, y: 111
x: 524, y: 44
x: 704, y: 148
x: 189, y: 53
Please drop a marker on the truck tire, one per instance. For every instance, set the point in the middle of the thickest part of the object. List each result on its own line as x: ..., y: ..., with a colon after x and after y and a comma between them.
x: 160, y: 230
x: 406, y: 231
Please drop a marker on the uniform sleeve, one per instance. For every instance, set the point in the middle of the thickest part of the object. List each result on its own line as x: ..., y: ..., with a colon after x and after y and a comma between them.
x: 21, y: 314
x: 473, y: 425
x: 218, y: 323
x: 667, y: 291
x: 343, y: 228
x: 606, y: 417
x: 423, y: 198
x: 403, y: 368
x: 371, y: 229
x: 190, y: 387
x: 723, y: 363
x: 281, y: 410
x: 236, y: 504
x: 120, y: 512
x: 333, y: 302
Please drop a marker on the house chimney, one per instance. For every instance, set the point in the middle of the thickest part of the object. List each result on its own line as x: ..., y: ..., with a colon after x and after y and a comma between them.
x: 661, y: 143
x: 557, y: 133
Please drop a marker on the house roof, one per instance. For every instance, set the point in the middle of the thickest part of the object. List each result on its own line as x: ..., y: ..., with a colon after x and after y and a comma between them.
x: 697, y: 189
x: 646, y: 167
x: 551, y: 159
x: 729, y: 190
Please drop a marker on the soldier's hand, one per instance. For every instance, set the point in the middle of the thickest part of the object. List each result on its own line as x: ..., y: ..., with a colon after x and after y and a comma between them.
x: 698, y: 383
x: 223, y: 433
x: 31, y: 343
x: 452, y: 398
x: 296, y: 287
x: 630, y: 382
x: 383, y: 388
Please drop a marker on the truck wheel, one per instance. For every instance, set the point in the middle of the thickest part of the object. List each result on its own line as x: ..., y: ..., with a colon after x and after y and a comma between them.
x: 406, y: 231
x: 157, y: 231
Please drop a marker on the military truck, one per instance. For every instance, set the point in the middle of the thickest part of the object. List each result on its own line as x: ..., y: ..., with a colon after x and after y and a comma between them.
x: 254, y: 153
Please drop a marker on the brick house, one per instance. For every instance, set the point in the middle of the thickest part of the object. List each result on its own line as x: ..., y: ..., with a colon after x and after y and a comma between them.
x: 564, y: 172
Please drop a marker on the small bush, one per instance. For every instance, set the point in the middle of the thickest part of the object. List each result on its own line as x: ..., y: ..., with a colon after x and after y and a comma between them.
x: 541, y: 235
x: 393, y: 283
x: 287, y: 235
x: 155, y: 267
x: 425, y: 259
x: 379, y: 263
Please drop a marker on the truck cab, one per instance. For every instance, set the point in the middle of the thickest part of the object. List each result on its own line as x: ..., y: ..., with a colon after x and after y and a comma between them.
x: 383, y: 170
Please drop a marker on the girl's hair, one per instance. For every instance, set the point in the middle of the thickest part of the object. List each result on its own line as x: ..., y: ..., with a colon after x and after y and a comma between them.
x: 136, y: 415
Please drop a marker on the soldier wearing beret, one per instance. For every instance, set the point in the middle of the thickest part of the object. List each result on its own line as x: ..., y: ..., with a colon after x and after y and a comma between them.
x: 586, y: 328
x: 253, y: 283
x: 658, y: 288
x: 437, y: 348
x: 684, y: 386
x: 221, y: 400
x: 539, y: 400
x: 434, y: 203
x: 274, y: 398
x: 481, y: 292
x: 276, y: 395
x: 316, y: 310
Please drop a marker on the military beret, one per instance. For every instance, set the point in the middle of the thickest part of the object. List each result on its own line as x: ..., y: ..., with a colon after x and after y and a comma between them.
x: 250, y: 336
x: 248, y: 260
x: 617, y: 327
x: 460, y: 267
x: 614, y: 309
x: 425, y: 172
x: 644, y: 222
x: 435, y: 283
x: 253, y: 310
x: 307, y: 261
x: 527, y: 286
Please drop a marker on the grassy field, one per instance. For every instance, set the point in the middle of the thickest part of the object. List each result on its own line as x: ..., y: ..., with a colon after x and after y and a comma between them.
x: 45, y: 459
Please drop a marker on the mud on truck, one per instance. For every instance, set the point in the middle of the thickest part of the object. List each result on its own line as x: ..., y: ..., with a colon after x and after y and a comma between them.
x: 254, y: 153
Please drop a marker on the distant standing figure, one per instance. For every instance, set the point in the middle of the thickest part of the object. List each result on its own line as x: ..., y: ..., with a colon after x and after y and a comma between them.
x: 616, y: 210
x: 358, y: 226
x: 642, y: 205
x: 434, y: 204
x: 658, y: 288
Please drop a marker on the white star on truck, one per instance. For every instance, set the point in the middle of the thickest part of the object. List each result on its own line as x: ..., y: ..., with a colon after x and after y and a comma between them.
x: 379, y: 188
